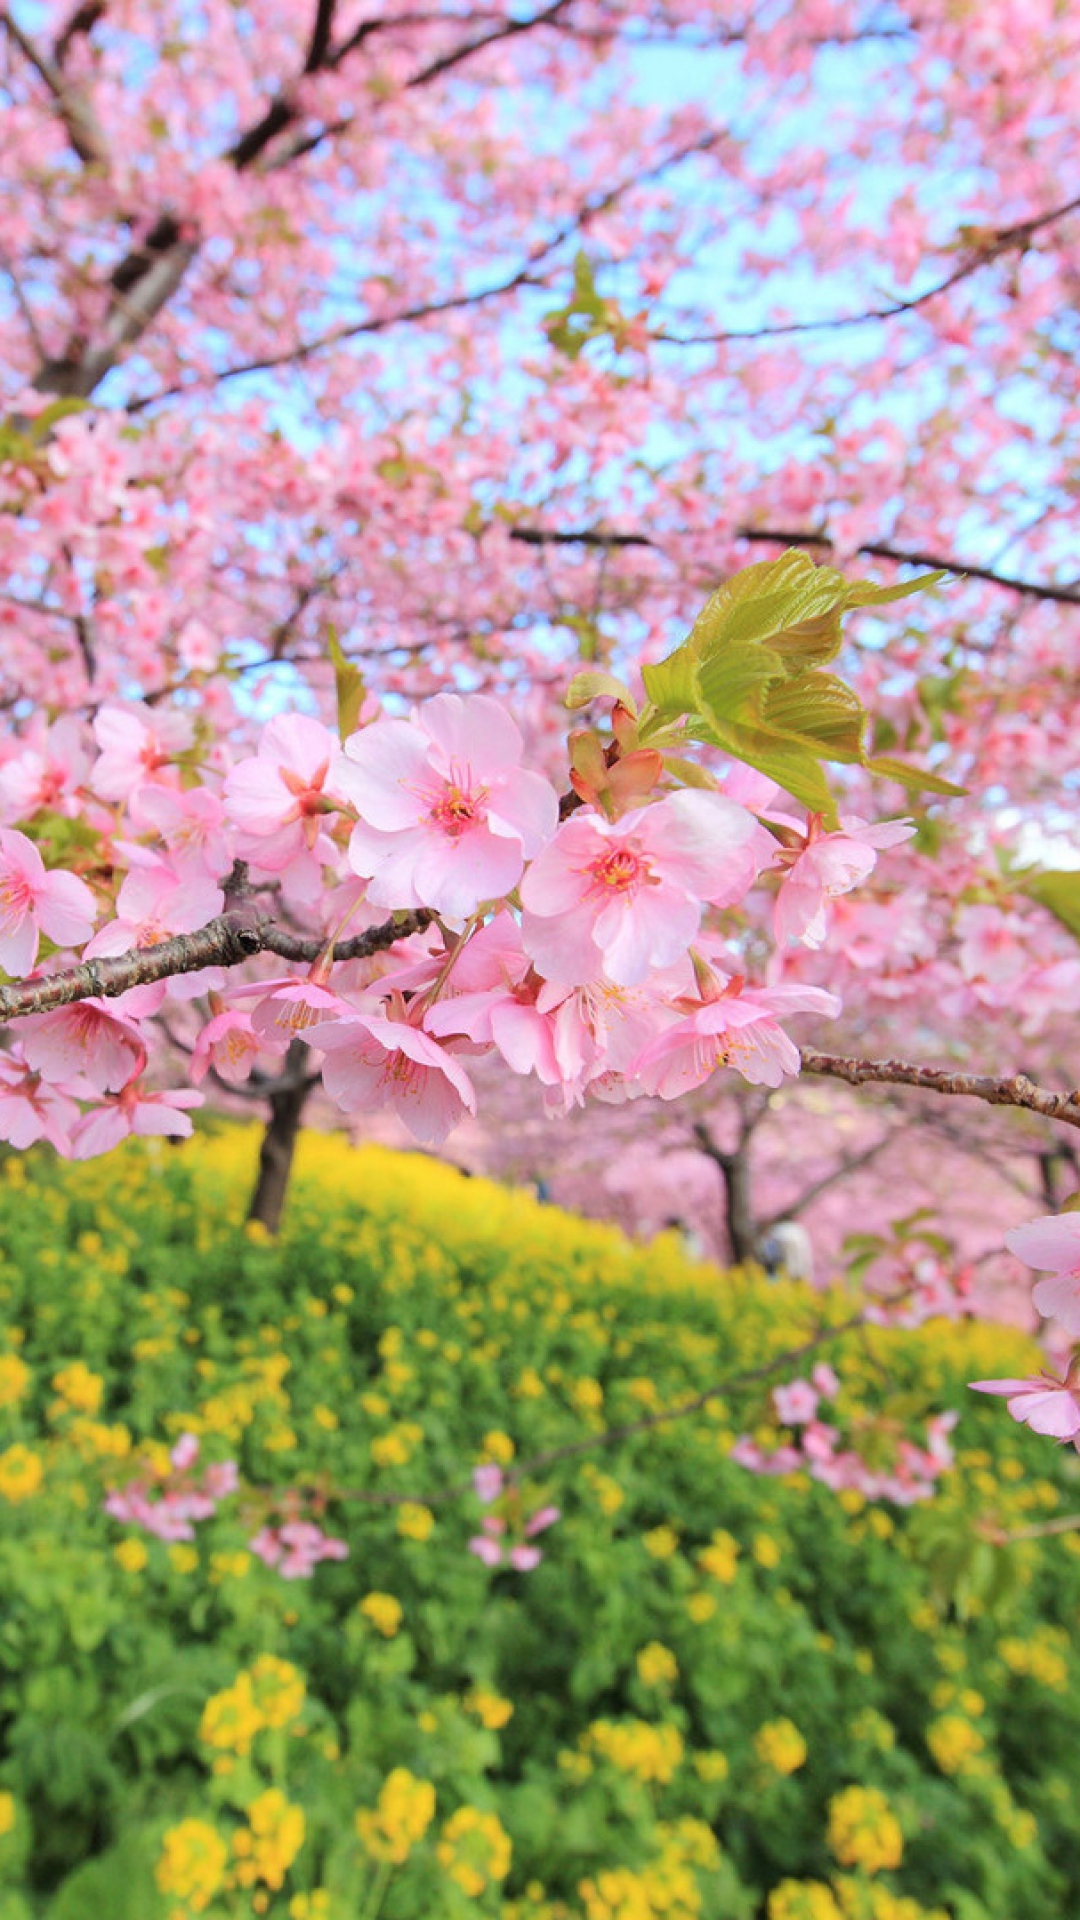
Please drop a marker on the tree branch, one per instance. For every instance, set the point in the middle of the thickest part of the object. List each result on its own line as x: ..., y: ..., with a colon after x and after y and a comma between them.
x: 800, y: 537
x: 998, y: 241
x: 1015, y: 1091
x: 79, y: 121
x: 228, y: 941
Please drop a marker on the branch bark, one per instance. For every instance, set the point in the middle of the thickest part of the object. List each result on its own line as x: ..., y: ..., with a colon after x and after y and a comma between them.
x: 1015, y: 1090
x: 228, y: 941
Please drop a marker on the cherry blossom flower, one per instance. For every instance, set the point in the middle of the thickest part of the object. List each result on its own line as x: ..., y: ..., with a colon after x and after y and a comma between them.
x: 620, y: 898
x: 47, y: 773
x: 448, y: 815
x: 1054, y: 1242
x: 737, y: 1029
x: 827, y: 865
x: 296, y: 1548
x: 795, y: 1403
x: 32, y: 1109
x: 133, y: 750
x: 135, y: 1109
x: 280, y: 797
x: 1042, y: 1402
x: 154, y: 902
x: 229, y: 1044
x: 376, y: 1061
x: 34, y: 901
x: 87, y: 1040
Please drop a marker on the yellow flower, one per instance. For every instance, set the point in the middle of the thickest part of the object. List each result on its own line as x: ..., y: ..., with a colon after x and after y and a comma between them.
x: 14, y: 1379
x: 656, y: 1665
x: 384, y: 1612
x: 803, y: 1900
x: 192, y: 1863
x: 474, y: 1850
x: 765, y: 1550
x: 7, y: 1812
x: 278, y: 1688
x: 21, y: 1474
x: 310, y: 1906
x: 269, y: 1844
x: 79, y: 1387
x: 491, y: 1709
x: 415, y: 1522
x: 232, y: 1718
x: 498, y: 1447
x: 863, y: 1831
x: 183, y: 1559
x: 661, y: 1543
x: 326, y: 1418
x: 780, y: 1744
x: 954, y: 1742
x: 634, y: 1747
x: 131, y: 1555
x: 720, y: 1559
x: 402, y: 1816
x: 710, y: 1765
x: 391, y: 1450
x: 701, y: 1607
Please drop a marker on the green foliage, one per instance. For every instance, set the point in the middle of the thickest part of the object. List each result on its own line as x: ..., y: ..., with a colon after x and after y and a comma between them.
x: 1059, y: 892
x: 749, y: 678
x: 614, y: 1711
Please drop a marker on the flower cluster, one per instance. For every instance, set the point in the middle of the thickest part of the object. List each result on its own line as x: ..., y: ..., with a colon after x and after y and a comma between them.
x: 580, y: 944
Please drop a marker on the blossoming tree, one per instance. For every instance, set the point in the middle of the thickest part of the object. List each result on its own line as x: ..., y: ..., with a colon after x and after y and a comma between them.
x: 376, y: 384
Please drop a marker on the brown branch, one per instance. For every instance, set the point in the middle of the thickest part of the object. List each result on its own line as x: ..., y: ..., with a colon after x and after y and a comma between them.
x: 228, y: 941
x: 80, y: 25
x: 523, y: 276
x: 999, y: 241
x: 801, y: 537
x: 1015, y: 1091
x: 78, y: 118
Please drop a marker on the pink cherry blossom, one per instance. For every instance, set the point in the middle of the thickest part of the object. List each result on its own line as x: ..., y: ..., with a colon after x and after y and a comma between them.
x: 296, y: 1548
x: 828, y: 865
x: 374, y: 1061
x: 135, y: 1109
x: 34, y: 901
x: 31, y: 1109
x: 154, y: 902
x: 136, y: 746
x: 448, y: 815
x: 738, y: 1029
x: 488, y: 1481
x: 87, y: 1040
x: 622, y: 897
x: 1054, y: 1242
x: 795, y: 1403
x: 229, y: 1044
x: 488, y: 1550
x: 280, y: 798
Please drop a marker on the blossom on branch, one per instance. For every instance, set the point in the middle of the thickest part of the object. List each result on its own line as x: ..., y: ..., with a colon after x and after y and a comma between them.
x: 448, y: 815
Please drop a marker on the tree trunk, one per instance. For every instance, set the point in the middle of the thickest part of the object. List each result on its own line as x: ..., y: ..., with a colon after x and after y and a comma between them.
x: 287, y: 1101
x: 739, y: 1213
x: 740, y: 1228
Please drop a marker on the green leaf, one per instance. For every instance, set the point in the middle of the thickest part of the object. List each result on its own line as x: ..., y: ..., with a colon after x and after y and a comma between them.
x: 917, y: 779
x: 1059, y: 893
x: 349, y: 682
x: 820, y: 708
x: 791, y: 764
x: 597, y: 685
x: 730, y: 675
x: 672, y: 684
